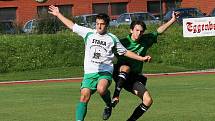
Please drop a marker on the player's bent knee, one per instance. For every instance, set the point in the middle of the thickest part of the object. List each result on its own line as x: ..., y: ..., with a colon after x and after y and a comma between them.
x: 125, y: 68
x: 148, y: 102
x: 101, y: 90
x: 84, y: 98
x: 85, y: 95
x: 147, y: 99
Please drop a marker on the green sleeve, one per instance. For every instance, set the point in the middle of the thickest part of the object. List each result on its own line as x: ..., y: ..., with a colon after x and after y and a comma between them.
x: 155, y: 36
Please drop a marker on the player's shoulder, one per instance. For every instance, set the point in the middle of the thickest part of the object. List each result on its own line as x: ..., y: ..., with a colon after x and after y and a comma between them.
x: 125, y: 40
x: 82, y: 29
x: 150, y: 35
x: 111, y: 35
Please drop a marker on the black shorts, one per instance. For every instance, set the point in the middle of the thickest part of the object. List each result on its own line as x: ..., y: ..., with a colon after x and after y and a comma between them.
x: 132, y: 78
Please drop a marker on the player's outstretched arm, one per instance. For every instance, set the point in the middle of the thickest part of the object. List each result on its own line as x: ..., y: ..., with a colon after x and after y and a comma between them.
x: 133, y: 55
x: 55, y: 11
x: 164, y: 26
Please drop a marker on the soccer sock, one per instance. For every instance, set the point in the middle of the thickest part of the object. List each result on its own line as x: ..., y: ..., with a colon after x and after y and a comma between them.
x: 138, y: 112
x: 121, y: 79
x: 107, y: 99
x: 81, y: 111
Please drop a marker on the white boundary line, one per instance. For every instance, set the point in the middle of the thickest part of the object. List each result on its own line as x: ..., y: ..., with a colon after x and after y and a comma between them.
x: 182, y: 73
x: 79, y: 78
x: 41, y: 80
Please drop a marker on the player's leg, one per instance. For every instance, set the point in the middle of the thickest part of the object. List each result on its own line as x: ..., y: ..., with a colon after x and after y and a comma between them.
x: 121, y: 78
x: 88, y: 87
x: 102, y: 89
x: 140, y: 90
x: 141, y: 108
x: 81, y: 108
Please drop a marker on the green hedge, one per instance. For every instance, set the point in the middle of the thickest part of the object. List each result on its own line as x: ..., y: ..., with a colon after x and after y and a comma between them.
x: 175, y: 50
x: 29, y: 52
x: 66, y: 49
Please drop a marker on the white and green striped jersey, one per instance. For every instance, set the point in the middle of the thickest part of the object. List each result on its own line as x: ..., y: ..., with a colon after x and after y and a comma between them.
x: 99, y: 49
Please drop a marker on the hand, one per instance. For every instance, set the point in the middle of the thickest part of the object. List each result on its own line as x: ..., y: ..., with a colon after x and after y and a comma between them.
x: 175, y: 15
x: 54, y: 10
x: 147, y: 58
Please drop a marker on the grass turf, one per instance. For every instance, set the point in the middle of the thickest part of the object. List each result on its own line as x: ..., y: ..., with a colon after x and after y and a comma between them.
x: 77, y: 71
x: 178, y: 98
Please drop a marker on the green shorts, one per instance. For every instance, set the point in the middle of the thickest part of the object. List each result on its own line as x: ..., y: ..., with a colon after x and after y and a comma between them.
x: 90, y: 81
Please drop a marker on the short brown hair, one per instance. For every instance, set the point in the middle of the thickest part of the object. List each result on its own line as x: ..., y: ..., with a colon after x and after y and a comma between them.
x: 104, y: 17
x: 141, y: 23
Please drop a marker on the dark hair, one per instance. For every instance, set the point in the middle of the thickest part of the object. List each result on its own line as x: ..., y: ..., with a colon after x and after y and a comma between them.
x: 141, y: 23
x: 104, y: 17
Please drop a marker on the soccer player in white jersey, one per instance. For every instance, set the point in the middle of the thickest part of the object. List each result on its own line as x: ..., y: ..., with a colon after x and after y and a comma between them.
x: 100, y: 47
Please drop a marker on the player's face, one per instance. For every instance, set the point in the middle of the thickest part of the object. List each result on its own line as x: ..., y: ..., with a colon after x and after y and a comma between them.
x: 137, y: 32
x: 101, y: 26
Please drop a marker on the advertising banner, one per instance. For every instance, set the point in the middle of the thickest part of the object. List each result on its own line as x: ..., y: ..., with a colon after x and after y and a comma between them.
x: 199, y: 27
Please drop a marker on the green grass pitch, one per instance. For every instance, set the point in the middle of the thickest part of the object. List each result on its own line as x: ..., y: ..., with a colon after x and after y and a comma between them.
x: 176, y: 98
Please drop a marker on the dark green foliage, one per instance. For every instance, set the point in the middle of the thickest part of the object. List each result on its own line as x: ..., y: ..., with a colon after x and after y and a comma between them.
x: 20, y: 53
x: 66, y: 49
x: 9, y: 27
x: 49, y: 25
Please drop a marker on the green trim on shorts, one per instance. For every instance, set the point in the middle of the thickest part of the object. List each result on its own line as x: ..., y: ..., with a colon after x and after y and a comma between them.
x: 91, y: 80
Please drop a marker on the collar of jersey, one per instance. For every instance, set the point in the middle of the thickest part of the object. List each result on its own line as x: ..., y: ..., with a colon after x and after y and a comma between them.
x: 131, y: 40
